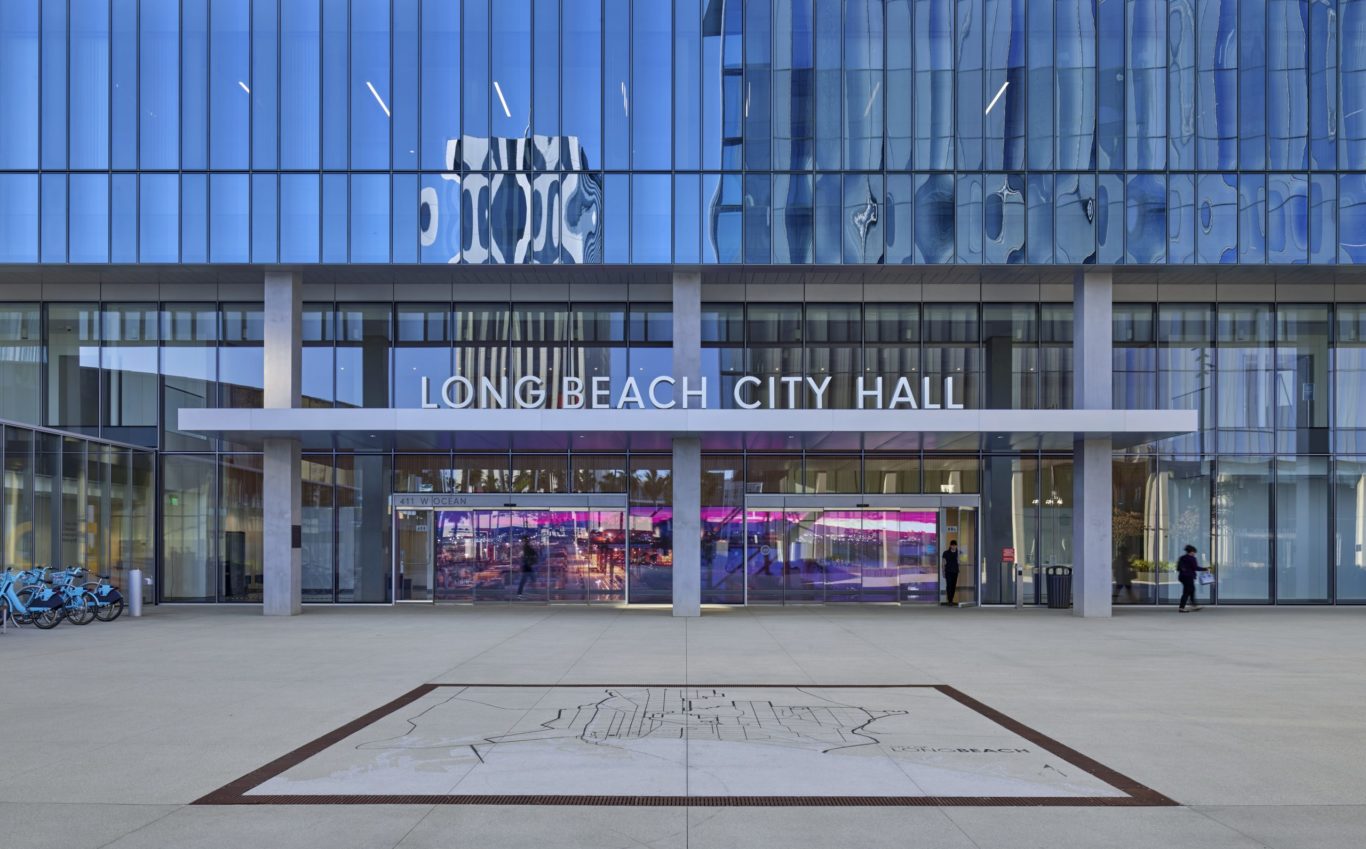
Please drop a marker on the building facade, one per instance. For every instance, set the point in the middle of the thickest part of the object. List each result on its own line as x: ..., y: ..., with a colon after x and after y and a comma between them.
x: 689, y: 302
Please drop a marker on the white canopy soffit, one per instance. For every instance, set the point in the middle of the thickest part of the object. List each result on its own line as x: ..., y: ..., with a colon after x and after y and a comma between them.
x: 719, y: 430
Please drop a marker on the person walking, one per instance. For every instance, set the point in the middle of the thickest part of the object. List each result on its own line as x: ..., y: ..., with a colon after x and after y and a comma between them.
x: 528, y: 564
x: 951, y: 571
x: 1186, y: 569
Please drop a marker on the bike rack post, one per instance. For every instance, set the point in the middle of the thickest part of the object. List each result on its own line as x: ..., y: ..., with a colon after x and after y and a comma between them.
x: 135, y: 592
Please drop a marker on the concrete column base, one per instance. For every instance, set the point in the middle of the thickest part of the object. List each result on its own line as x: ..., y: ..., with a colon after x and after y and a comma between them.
x: 282, y: 591
x: 1092, y: 500
x: 687, y: 523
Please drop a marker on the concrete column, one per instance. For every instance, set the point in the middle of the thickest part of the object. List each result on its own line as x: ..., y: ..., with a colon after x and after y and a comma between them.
x: 687, y: 450
x: 282, y: 501
x: 1092, y: 491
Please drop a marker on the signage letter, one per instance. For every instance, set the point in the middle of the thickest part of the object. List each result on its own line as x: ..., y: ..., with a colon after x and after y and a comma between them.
x: 450, y: 399
x: 861, y: 393
x: 571, y: 392
x: 792, y: 384
x: 630, y: 394
x: 533, y: 400
x: 427, y: 393
x: 700, y: 393
x: 925, y: 394
x: 654, y: 399
x: 489, y: 392
x: 601, y: 394
x: 948, y: 395
x: 739, y: 394
x: 903, y: 394
x: 819, y: 390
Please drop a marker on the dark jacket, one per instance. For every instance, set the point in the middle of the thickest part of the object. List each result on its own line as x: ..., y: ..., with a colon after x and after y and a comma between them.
x: 1187, y: 566
x: 528, y: 557
x: 950, y: 561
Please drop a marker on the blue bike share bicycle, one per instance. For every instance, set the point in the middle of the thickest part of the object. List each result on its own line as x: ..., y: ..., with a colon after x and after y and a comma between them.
x: 25, y: 601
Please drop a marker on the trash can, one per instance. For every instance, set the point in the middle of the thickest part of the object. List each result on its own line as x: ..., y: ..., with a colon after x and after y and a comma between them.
x: 1059, y: 580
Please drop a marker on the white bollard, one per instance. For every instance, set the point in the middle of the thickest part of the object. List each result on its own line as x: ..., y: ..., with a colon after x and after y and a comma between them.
x: 135, y: 592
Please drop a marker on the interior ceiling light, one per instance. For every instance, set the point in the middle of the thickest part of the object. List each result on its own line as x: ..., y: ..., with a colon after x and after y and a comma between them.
x: 997, y: 97
x: 501, y: 99
x: 378, y: 99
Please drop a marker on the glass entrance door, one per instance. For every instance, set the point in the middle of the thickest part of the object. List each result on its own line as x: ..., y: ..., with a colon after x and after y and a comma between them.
x: 413, y: 574
x: 820, y: 555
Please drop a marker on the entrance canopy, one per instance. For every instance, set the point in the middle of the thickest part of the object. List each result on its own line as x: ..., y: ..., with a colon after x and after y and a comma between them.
x: 719, y: 430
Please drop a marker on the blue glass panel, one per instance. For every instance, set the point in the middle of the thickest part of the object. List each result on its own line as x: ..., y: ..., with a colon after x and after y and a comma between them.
x: 370, y: 90
x: 1323, y: 231
x: 300, y: 60
x: 1287, y: 218
x: 19, y: 217
x: 687, y: 86
x: 1040, y: 94
x: 230, y: 84
x: 1110, y: 84
x: 476, y: 87
x: 1003, y: 219
x: 863, y: 198
x: 1352, y: 142
x: 265, y: 235
x: 405, y: 103
x: 757, y: 213
x: 617, y: 217
x: 1181, y: 83
x: 792, y: 218
x: 53, y: 82
x: 53, y: 206
x: 968, y: 79
x: 123, y: 218
x: 19, y: 85
x: 1146, y: 75
x: 651, y: 233
x: 898, y: 209
x: 194, y: 218
x: 827, y: 214
x: 405, y: 214
x: 510, y: 73
x: 1146, y: 219
x: 1323, y: 83
x: 369, y: 218
x: 545, y: 76
x: 476, y: 201
x: 89, y: 233
x: 229, y: 218
x: 934, y: 216
x: 828, y: 134
x: 1039, y: 206
x: 439, y: 218
x: 732, y: 85
x: 1075, y: 218
x: 863, y: 87
x: 618, y: 97
x: 1287, y: 107
x: 335, y: 88
x: 711, y: 187
x: 1252, y: 83
x: 1216, y: 118
x: 1075, y: 42
x: 711, y: 93
x: 901, y: 83
x: 299, y: 225
x: 158, y: 218
x: 582, y: 87
x: 1181, y: 218
x: 1252, y: 218
x: 89, y: 84
x: 756, y: 123
x: 652, y: 86
x: 1004, y: 76
x: 1110, y: 219
x: 1216, y: 213
x: 440, y: 82
x: 194, y: 84
x: 509, y: 218
x: 265, y: 77
x: 687, y: 218
x: 1351, y: 217
x: 124, y: 95
x: 722, y: 195
x: 969, y: 218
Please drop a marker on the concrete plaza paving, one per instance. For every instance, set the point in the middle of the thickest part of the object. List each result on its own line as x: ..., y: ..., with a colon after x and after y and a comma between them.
x: 1254, y: 721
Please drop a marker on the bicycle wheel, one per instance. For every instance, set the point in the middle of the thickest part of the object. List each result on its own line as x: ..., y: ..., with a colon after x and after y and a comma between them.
x: 109, y: 612
x: 23, y: 618
x: 46, y: 620
x: 81, y: 612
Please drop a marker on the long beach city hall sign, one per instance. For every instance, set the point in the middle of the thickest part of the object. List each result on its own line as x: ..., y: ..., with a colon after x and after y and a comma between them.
x: 666, y: 392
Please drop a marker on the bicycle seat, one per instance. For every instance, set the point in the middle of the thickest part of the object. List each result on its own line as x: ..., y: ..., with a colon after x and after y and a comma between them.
x: 104, y: 577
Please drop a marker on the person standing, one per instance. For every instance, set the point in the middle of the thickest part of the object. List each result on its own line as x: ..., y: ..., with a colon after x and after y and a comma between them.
x: 951, y: 571
x: 528, y: 564
x: 1186, y: 569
